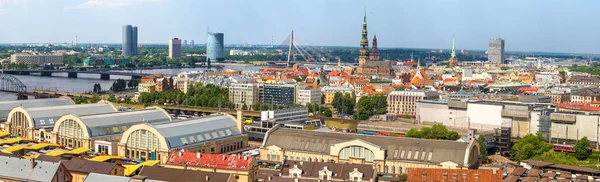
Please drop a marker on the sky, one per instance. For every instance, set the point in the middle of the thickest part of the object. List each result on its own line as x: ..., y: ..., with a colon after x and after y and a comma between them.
x: 569, y: 26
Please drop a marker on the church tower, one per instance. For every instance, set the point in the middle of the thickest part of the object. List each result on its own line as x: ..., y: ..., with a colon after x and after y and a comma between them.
x: 364, y: 43
x: 374, y: 50
x: 453, y: 60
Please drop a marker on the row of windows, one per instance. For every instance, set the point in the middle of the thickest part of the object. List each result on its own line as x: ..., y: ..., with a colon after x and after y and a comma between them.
x: 206, y: 136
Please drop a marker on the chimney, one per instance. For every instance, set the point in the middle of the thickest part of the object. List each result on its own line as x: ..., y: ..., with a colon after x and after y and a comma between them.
x: 239, y: 121
x: 207, y: 178
x: 245, y: 158
x: 180, y: 154
x: 198, y: 155
x: 138, y: 178
x: 296, y: 180
x: 223, y: 157
x: 185, y: 166
x: 32, y: 163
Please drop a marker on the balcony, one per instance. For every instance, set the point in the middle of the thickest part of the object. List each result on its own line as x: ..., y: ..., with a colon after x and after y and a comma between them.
x: 515, y: 113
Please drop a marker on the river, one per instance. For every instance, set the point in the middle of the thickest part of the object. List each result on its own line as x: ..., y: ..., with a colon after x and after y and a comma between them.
x: 85, y: 82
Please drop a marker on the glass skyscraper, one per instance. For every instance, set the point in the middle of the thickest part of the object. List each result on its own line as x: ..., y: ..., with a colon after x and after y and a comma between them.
x: 214, y: 47
x: 130, y: 41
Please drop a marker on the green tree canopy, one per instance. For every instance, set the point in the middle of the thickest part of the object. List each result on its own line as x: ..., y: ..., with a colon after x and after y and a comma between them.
x: 437, y: 132
x: 529, y: 146
x: 483, y: 153
x: 582, y: 149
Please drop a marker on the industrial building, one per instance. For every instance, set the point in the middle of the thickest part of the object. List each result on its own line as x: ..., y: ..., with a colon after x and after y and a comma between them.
x: 214, y: 47
x: 36, y: 122
x: 36, y: 59
x: 174, y: 48
x: 388, y: 155
x: 101, y: 132
x: 211, y: 134
x: 7, y: 106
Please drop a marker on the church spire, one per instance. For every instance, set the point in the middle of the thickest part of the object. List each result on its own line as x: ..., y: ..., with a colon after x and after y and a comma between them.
x: 364, y: 43
x: 365, y: 18
x: 453, y: 48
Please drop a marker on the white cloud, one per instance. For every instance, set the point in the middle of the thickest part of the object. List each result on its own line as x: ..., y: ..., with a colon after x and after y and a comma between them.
x: 5, y: 5
x: 109, y: 4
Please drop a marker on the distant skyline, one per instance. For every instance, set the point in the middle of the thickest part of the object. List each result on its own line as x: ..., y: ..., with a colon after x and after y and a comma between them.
x: 532, y: 25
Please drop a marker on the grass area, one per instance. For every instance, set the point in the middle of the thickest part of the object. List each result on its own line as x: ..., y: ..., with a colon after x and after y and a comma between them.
x: 569, y: 159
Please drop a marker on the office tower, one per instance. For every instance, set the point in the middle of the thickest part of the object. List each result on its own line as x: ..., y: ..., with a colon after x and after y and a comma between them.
x: 130, y: 41
x: 184, y: 43
x: 127, y: 36
x: 192, y: 44
x: 214, y: 47
x: 134, y: 39
x: 174, y: 48
x: 496, y: 51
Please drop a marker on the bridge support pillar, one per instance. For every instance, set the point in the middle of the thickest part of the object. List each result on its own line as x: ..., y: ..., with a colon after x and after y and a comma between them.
x: 45, y: 73
x: 22, y: 97
x: 104, y: 76
x: 72, y: 74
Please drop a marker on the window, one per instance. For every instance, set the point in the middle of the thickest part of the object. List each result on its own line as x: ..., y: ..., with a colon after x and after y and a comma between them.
x: 454, y: 175
x: 123, y: 128
x: 430, y: 155
x: 476, y: 176
x: 444, y: 175
x: 221, y: 133
x: 409, y: 152
x: 184, y: 141
x: 192, y: 139
x: 106, y: 131
x: 207, y: 136
x: 115, y: 129
x: 200, y: 138
x: 402, y: 155
x: 464, y: 175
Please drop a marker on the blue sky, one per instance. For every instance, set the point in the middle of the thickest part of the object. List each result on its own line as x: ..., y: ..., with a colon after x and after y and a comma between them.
x: 526, y: 25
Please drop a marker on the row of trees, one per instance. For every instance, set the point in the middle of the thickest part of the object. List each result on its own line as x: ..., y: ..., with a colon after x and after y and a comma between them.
x: 197, y: 95
x: 437, y: 132
x: 535, y: 146
x: 319, y: 110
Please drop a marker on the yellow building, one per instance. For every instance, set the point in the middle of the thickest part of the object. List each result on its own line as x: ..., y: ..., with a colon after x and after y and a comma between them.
x: 36, y: 123
x: 390, y: 155
x: 101, y: 132
x: 212, y: 134
x: 329, y: 92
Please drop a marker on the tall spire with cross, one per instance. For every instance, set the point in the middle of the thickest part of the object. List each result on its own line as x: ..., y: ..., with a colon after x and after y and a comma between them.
x: 364, y: 42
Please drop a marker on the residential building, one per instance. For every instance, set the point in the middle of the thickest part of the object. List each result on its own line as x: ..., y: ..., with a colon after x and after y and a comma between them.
x: 558, y: 96
x: 38, y: 60
x: 243, y: 168
x: 129, y: 46
x: 323, y: 171
x: 329, y: 93
x: 244, y: 93
x: 149, y: 87
x: 279, y: 95
x: 164, y: 84
x: 458, y: 175
x: 496, y: 51
x: 586, y: 95
x: 96, y: 177
x: 180, y: 175
x: 388, y: 155
x: 214, y: 47
x: 211, y: 134
x: 174, y: 48
x: 308, y: 95
x: 404, y: 102
x: 36, y: 122
x: 184, y: 84
x: 101, y: 132
x: 19, y: 169
x: 584, y: 80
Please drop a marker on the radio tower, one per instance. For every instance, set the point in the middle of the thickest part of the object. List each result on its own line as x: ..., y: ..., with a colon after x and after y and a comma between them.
x: 291, y: 50
x: 271, y: 41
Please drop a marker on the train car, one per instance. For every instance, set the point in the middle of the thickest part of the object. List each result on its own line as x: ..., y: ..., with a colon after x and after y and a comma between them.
x: 564, y: 148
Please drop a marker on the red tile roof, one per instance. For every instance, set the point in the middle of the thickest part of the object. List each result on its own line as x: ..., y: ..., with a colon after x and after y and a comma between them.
x: 528, y: 89
x: 578, y: 106
x: 218, y: 161
x: 459, y: 175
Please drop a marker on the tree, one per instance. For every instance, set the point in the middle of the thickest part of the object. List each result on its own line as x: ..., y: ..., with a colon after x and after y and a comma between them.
x: 483, y: 154
x: 97, y: 88
x: 81, y: 100
x: 529, y: 146
x: 245, y: 107
x: 327, y: 113
x: 504, y: 68
x: 437, y: 131
x: 370, y: 105
x: 95, y: 98
x: 112, y: 98
x: 337, y: 100
x: 413, y: 133
x: 582, y: 149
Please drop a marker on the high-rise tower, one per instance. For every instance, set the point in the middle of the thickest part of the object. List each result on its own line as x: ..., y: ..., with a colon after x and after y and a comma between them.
x: 374, y: 55
x: 129, y: 46
x: 214, y: 48
x: 453, y: 60
x: 496, y: 51
x: 364, y: 43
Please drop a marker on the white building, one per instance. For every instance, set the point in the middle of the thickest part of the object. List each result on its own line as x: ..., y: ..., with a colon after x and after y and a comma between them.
x: 297, y: 114
x: 244, y: 93
x: 39, y: 60
x: 308, y: 95
x: 404, y: 102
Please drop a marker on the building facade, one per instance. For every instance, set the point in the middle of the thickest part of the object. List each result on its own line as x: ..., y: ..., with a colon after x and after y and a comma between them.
x: 388, y: 155
x: 584, y: 80
x: 496, y: 51
x: 214, y: 47
x: 38, y: 60
x: 174, y: 48
x: 279, y: 95
x: 244, y: 168
x: 244, y: 93
x: 404, y: 102
x: 19, y: 169
x: 329, y: 93
x: 308, y: 95
x: 211, y: 134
